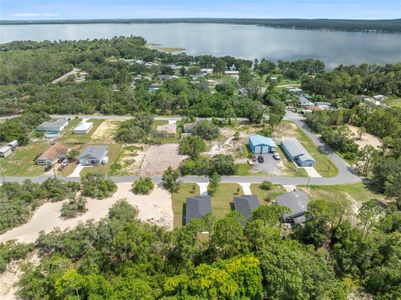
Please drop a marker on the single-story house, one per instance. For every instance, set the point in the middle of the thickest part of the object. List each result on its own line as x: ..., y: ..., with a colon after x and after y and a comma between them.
x: 54, y: 126
x: 167, y: 130
x: 324, y: 105
x: 313, y: 107
x: 5, y: 151
x: 304, y: 101
x: 294, y: 150
x: 164, y: 77
x: 297, y: 203
x: 380, y: 97
x: 232, y: 74
x: 83, y: 128
x: 206, y: 71
x: 196, y: 207
x: 154, y: 87
x: 94, y: 155
x: 260, y: 144
x: 246, y: 204
x: 53, y: 154
x: 13, y: 144
x: 294, y: 90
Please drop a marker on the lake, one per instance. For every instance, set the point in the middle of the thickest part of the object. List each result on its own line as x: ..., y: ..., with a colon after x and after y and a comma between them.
x: 244, y: 41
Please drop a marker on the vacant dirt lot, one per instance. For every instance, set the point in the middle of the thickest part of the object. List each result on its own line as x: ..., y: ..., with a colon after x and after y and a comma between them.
x: 159, y: 157
x: 155, y: 208
x: 106, y: 131
x: 285, y: 130
x: 367, y: 138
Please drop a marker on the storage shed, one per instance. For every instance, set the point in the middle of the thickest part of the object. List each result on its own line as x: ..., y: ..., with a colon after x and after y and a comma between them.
x: 13, y: 144
x: 294, y: 150
x: 83, y: 128
x: 259, y: 144
x: 196, y: 207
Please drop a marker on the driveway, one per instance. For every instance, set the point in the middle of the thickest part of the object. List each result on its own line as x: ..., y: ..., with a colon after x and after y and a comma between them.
x: 77, y: 171
x: 269, y: 166
x: 312, y: 172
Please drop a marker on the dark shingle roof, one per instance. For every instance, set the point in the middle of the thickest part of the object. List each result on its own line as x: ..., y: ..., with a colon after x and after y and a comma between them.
x: 246, y: 204
x: 196, y: 207
x: 297, y: 202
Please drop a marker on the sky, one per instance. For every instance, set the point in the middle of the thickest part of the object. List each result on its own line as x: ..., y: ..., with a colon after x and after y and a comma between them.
x: 117, y: 9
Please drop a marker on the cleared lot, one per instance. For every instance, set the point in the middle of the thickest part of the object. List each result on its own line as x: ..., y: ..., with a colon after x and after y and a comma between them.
x: 158, y: 158
x: 155, y: 208
x: 106, y: 131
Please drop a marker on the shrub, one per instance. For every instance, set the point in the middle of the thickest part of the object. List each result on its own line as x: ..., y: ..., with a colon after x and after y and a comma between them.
x: 266, y: 185
x: 74, y: 207
x: 192, y: 146
x: 11, y: 250
x: 97, y: 186
x: 143, y: 186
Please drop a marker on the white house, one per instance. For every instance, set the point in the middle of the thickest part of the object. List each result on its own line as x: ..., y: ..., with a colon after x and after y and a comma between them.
x: 94, y: 155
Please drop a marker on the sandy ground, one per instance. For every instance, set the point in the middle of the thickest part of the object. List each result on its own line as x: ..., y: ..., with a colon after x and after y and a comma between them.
x: 131, y: 161
x: 155, y: 208
x: 284, y: 130
x: 226, y: 143
x: 367, y: 138
x: 159, y: 157
x: 106, y: 131
x: 10, y: 277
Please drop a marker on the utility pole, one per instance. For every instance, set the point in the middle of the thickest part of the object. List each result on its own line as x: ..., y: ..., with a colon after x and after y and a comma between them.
x: 331, y: 153
x: 2, y: 174
x: 309, y: 180
x: 54, y: 172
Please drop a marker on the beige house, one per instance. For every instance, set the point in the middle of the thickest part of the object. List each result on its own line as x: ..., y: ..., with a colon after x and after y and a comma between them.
x: 53, y: 154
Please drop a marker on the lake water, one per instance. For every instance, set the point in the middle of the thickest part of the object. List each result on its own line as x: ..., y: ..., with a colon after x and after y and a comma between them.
x: 244, y: 41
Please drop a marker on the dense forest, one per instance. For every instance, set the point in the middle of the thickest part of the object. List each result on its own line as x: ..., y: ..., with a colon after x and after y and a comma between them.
x: 327, y: 24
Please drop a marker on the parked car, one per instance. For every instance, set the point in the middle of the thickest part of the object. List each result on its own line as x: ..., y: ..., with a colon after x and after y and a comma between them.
x: 261, y: 159
x: 276, y: 156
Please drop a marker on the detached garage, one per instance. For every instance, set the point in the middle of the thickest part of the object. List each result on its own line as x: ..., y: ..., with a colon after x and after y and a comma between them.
x: 294, y: 150
x: 259, y: 144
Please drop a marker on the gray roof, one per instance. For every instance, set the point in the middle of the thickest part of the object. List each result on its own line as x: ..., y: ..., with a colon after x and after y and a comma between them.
x: 96, y: 152
x: 54, y: 125
x: 297, y: 202
x: 196, y: 207
x: 294, y: 147
x: 246, y: 204
x: 305, y: 157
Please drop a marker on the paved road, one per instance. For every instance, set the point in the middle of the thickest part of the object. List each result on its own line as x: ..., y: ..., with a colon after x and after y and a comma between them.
x: 345, y: 172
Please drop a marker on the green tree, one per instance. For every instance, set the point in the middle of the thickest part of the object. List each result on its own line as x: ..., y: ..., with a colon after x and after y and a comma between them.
x: 143, y: 186
x: 170, y: 180
x: 192, y: 146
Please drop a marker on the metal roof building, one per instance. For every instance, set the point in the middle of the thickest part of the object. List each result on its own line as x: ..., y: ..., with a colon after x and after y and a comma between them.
x: 196, y: 207
x: 297, y: 203
x: 53, y: 126
x: 260, y: 144
x: 294, y: 150
x: 246, y: 204
x: 83, y: 128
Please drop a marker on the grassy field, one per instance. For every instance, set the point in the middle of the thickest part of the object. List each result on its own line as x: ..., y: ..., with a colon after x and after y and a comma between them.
x: 394, y: 102
x: 70, y: 138
x: 22, y: 161
x: 358, y: 191
x: 179, y: 198
x: 222, y: 201
x: 266, y: 197
x: 114, y: 151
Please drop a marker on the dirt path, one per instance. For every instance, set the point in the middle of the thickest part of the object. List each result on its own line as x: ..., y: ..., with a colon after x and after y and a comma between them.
x: 155, y: 208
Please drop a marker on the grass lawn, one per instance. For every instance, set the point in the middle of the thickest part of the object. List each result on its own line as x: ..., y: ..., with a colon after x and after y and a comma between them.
x: 114, y: 151
x: 245, y: 170
x: 394, y: 102
x: 179, y: 198
x: 70, y: 138
x: 222, y: 201
x: 358, y: 191
x: 265, y: 197
x: 22, y: 161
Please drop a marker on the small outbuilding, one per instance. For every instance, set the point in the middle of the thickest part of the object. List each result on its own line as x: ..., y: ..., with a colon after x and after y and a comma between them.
x: 259, y: 144
x: 53, y: 154
x: 83, y: 128
x: 5, y: 151
x: 294, y: 150
x: 246, y: 204
x: 13, y: 144
x: 297, y: 203
x: 94, y: 155
x: 196, y: 207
